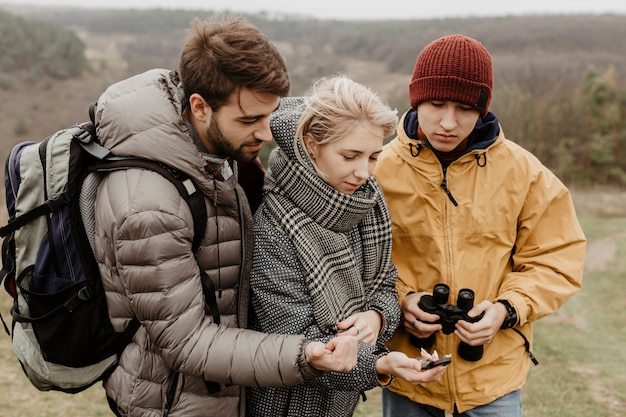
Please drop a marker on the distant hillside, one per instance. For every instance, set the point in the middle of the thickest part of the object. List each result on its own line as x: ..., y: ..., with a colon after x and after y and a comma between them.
x: 560, y: 81
x: 40, y: 49
x: 315, y: 47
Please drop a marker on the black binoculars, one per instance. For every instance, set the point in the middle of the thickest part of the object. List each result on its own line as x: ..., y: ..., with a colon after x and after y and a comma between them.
x: 449, y: 314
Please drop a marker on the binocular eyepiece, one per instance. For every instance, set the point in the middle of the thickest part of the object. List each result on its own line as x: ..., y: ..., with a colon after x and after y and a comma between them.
x: 449, y: 314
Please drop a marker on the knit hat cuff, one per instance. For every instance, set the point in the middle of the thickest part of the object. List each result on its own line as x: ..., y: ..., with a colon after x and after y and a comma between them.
x: 450, y: 88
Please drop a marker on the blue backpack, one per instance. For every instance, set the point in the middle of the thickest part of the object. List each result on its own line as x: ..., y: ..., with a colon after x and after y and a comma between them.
x: 61, y: 332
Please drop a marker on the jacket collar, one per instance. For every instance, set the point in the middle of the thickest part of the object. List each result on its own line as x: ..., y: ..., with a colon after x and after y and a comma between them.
x: 485, y: 132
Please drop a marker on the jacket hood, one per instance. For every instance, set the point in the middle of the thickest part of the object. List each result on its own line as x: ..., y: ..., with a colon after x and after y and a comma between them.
x: 142, y: 117
x: 284, y: 123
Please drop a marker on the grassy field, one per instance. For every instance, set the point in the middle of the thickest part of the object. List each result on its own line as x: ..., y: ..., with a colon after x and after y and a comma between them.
x: 581, y: 348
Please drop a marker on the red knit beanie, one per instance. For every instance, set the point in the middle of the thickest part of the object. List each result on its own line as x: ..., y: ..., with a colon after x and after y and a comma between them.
x: 453, y: 68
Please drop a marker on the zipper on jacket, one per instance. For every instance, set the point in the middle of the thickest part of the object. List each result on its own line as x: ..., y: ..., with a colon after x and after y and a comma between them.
x: 240, y: 289
x: 444, y: 185
x: 217, y: 242
x: 443, y: 341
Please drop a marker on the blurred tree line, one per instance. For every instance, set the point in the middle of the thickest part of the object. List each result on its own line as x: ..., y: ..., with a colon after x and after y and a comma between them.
x: 560, y: 81
x: 37, y: 49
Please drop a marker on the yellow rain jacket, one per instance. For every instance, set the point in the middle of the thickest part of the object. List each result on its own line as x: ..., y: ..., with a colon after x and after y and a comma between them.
x: 496, y: 221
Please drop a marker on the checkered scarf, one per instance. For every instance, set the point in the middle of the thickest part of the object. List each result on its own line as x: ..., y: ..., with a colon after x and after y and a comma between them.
x: 317, y: 219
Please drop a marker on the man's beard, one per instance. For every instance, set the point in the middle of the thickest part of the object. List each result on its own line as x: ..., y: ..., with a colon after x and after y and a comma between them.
x: 224, y: 147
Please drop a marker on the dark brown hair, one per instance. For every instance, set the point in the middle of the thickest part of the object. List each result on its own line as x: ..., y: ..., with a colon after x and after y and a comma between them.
x: 222, y: 55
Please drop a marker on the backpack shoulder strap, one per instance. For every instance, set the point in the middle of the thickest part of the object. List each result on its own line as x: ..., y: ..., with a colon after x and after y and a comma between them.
x: 184, y: 184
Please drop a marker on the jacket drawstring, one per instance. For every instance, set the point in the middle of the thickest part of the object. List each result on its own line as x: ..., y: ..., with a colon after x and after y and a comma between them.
x: 484, y: 157
x: 418, y: 149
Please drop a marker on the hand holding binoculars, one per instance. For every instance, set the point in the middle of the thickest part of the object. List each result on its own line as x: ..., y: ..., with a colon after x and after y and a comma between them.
x: 449, y: 314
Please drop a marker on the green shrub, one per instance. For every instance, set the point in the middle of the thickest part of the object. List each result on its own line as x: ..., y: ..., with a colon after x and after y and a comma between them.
x: 6, y: 82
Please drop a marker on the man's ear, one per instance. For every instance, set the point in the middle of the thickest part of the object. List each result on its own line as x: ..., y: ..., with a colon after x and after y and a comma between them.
x: 199, y: 108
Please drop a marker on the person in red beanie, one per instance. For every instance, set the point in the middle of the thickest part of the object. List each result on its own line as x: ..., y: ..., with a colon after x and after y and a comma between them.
x: 485, y: 239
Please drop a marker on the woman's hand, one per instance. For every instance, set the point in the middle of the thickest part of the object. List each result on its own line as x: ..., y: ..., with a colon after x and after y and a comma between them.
x: 365, y: 326
x: 409, y: 369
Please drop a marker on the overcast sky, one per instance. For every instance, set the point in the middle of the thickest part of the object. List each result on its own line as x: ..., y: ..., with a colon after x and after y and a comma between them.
x: 376, y: 9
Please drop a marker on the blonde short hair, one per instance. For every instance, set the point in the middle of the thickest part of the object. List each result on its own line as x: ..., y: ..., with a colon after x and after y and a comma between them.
x: 336, y: 105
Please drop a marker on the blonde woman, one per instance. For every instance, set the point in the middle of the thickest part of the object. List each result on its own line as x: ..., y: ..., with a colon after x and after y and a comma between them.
x: 322, y: 247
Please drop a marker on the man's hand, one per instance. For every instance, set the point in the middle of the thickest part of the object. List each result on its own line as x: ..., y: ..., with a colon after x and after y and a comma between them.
x: 483, y: 331
x: 416, y: 321
x: 339, y: 354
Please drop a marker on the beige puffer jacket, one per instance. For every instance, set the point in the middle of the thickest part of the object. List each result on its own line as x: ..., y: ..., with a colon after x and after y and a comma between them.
x: 143, y: 245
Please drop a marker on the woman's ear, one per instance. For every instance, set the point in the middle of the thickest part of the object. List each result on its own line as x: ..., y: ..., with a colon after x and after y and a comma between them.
x: 310, y: 144
x: 199, y: 108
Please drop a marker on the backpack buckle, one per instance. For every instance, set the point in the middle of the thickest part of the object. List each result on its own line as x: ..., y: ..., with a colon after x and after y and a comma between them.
x: 85, y: 293
x: 82, y: 136
x: 81, y: 296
